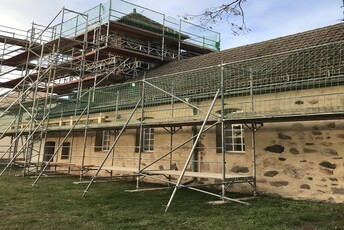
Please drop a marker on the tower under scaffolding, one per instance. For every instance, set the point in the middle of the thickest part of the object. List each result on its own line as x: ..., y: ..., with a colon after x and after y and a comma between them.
x: 108, y: 44
x: 91, y: 92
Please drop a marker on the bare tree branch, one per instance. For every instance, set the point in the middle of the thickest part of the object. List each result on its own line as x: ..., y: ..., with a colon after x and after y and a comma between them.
x: 228, y: 13
x: 232, y: 13
x: 342, y: 19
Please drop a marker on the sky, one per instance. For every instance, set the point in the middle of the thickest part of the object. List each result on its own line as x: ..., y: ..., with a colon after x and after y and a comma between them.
x: 267, y: 19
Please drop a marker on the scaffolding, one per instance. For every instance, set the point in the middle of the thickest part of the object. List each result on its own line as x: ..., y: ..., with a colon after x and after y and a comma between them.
x: 86, y: 74
x: 107, y: 44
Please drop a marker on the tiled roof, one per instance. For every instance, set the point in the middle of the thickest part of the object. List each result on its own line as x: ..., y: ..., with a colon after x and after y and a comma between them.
x: 306, y: 39
x: 140, y: 21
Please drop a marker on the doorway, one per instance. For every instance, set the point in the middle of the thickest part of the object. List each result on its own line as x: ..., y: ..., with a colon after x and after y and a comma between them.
x: 49, y: 150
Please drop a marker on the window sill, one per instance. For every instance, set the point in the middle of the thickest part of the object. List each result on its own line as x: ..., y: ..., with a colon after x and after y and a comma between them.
x: 235, y: 152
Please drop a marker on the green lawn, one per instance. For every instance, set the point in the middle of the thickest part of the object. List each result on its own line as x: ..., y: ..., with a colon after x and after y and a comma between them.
x: 56, y: 203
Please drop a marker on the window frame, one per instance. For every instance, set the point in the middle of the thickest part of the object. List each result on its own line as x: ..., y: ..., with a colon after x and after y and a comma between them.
x: 66, y: 146
x: 237, y: 144
x: 106, y: 139
x: 148, y: 137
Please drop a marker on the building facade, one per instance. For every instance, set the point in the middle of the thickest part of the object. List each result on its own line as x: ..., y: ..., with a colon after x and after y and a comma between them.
x: 135, y: 97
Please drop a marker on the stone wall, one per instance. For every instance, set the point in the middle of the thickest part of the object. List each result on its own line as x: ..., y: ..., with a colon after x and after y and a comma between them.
x: 296, y: 160
x: 302, y: 160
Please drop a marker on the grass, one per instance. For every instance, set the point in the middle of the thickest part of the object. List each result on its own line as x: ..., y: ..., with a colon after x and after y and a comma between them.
x: 56, y: 203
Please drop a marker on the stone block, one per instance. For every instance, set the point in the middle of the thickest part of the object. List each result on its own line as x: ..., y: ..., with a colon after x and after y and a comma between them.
x: 326, y: 171
x: 294, y: 172
x: 238, y: 169
x: 279, y: 183
x: 305, y: 186
x: 327, y: 164
x: 270, y: 173
x: 317, y: 133
x: 331, y: 125
x: 313, y: 101
x: 339, y: 191
x: 294, y: 151
x: 307, y: 150
x: 329, y: 152
x: 275, y: 149
x: 284, y: 137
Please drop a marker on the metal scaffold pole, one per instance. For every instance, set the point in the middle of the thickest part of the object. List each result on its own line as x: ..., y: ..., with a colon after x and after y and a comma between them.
x: 85, y: 137
x: 163, y: 38
x: 180, y: 99
x: 59, y: 147
x: 112, y: 147
x: 83, y: 60
x: 254, y: 130
x: 192, y: 150
x: 34, y: 109
x: 20, y: 151
x: 178, y: 147
x: 172, y: 132
x: 47, y: 107
x: 141, y: 134
x: 223, y: 146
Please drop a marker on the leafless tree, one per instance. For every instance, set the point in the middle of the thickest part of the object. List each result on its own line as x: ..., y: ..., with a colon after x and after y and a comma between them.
x: 231, y: 13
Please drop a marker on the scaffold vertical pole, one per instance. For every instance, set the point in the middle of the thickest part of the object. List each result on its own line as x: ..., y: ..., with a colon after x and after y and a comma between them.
x: 254, y: 130
x: 47, y: 108
x: 251, y: 90
x: 34, y: 109
x: 141, y: 133
x: 223, y: 147
x: 163, y: 38
x: 179, y: 39
x: 172, y: 130
x: 253, y: 144
x: 85, y: 137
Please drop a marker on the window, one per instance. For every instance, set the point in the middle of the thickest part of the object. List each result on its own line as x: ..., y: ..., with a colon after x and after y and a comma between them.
x: 102, y: 141
x: 233, y: 138
x: 65, y: 151
x: 106, y: 140
x: 49, y: 150
x: 148, y: 139
x: 98, y: 141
